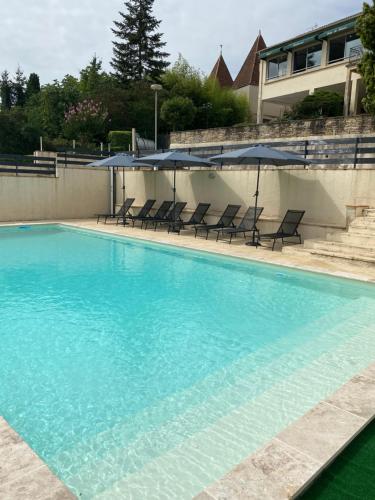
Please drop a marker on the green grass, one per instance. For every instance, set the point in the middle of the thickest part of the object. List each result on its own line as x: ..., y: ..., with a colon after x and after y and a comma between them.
x: 351, y: 475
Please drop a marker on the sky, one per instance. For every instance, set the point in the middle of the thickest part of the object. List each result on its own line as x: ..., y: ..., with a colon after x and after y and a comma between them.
x: 56, y: 37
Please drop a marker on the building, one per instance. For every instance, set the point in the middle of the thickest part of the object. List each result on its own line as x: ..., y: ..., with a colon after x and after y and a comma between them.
x: 325, y: 58
x: 221, y: 73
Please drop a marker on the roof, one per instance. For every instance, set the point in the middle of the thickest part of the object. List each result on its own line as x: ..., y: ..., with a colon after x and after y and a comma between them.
x: 309, y: 35
x: 249, y: 73
x: 221, y: 73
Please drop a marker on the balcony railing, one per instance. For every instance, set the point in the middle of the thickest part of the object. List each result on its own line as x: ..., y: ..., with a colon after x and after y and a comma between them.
x: 355, y: 53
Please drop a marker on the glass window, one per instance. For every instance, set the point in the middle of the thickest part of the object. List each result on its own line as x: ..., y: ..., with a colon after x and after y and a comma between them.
x: 307, y: 58
x: 314, y: 56
x: 352, y: 41
x: 277, y: 67
x: 339, y: 48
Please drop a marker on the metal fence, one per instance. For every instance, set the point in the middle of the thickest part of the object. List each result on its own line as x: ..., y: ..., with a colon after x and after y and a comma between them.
x: 27, y: 164
x: 337, y: 152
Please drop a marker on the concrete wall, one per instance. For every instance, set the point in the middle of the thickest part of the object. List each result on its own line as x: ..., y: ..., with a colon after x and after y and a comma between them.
x: 324, y: 194
x: 75, y: 193
x: 297, y: 129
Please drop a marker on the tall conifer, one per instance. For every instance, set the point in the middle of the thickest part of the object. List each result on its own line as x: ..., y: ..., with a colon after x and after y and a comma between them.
x: 138, y: 49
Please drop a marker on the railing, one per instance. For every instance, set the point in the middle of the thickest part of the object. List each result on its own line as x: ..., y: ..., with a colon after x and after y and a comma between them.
x: 27, y: 165
x: 355, y: 53
x: 341, y: 152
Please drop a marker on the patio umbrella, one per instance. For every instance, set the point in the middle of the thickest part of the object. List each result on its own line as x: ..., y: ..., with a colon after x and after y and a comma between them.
x: 175, y: 160
x: 120, y: 160
x: 256, y: 155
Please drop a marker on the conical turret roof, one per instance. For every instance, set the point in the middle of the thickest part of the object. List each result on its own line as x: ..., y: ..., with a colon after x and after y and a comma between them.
x: 221, y: 73
x: 249, y: 73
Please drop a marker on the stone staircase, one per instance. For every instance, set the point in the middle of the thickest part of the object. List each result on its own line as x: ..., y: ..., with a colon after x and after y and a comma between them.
x: 357, y: 244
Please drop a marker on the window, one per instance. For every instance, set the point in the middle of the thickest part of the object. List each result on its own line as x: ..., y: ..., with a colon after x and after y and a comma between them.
x: 277, y: 67
x: 339, y: 48
x: 307, y: 58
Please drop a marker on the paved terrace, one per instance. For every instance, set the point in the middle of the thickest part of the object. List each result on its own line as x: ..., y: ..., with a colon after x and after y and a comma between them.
x: 285, y: 465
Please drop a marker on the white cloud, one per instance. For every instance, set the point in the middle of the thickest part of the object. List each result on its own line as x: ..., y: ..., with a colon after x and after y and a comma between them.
x: 53, y: 38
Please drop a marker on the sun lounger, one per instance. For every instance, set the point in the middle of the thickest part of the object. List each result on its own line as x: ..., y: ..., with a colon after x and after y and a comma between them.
x: 118, y: 215
x: 288, y: 227
x: 225, y: 220
x: 245, y: 226
x: 143, y: 212
x: 196, y: 218
x: 173, y: 215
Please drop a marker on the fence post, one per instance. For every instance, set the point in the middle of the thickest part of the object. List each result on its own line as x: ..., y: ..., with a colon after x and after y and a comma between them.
x: 356, y: 152
x: 56, y: 162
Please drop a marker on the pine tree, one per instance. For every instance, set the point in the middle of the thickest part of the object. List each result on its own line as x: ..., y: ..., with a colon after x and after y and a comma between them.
x: 366, y: 31
x: 138, y: 53
x: 32, y: 86
x: 19, y: 88
x: 5, y: 90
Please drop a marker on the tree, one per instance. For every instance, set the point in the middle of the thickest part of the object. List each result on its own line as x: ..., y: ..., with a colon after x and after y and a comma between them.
x: 5, y: 90
x: 19, y: 88
x: 86, y: 122
x: 366, y: 31
x: 214, y: 105
x: 16, y: 134
x: 178, y: 113
x: 32, y: 86
x: 92, y: 78
x: 317, y: 105
x: 138, y: 53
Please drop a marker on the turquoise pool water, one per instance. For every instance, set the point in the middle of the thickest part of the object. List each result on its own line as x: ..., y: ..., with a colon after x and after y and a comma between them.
x: 142, y: 371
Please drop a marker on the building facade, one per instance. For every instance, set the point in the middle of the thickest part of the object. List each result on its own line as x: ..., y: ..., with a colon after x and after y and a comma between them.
x: 325, y: 58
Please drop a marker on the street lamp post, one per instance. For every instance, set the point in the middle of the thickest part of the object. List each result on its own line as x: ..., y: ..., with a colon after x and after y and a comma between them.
x: 156, y: 88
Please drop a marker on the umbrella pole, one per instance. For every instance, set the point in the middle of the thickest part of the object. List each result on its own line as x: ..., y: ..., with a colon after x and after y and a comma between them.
x: 254, y: 243
x: 174, y: 196
x: 123, y: 185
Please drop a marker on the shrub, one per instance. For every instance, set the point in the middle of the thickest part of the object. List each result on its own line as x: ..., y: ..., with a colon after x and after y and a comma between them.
x: 120, y: 140
x: 178, y: 112
x: 86, y: 122
x: 322, y: 103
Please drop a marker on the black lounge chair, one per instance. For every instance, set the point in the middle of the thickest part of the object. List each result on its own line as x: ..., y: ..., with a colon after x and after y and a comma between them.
x: 225, y: 220
x: 118, y: 215
x: 173, y: 215
x: 288, y: 227
x: 196, y: 218
x: 246, y: 225
x: 160, y: 213
x: 143, y: 212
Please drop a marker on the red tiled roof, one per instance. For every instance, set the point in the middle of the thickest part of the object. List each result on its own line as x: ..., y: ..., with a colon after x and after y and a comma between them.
x: 249, y: 73
x: 221, y: 73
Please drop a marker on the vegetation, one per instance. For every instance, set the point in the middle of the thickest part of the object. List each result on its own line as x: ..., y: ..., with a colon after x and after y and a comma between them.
x: 193, y: 101
x: 138, y: 47
x: 120, y: 140
x: 366, y: 31
x: 322, y: 103
x: 87, y: 107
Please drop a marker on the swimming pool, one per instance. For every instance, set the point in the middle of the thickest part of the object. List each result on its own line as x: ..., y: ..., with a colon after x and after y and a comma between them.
x: 137, y: 370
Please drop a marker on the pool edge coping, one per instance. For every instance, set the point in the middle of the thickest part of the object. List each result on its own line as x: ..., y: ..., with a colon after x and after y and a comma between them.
x: 238, y: 482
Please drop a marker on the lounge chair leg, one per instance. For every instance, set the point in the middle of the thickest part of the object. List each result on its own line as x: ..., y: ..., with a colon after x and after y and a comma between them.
x: 217, y: 237
x: 230, y: 238
x: 207, y: 235
x: 273, y: 246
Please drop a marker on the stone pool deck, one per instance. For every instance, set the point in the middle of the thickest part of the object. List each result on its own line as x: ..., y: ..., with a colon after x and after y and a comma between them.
x: 23, y: 475
x: 292, y: 459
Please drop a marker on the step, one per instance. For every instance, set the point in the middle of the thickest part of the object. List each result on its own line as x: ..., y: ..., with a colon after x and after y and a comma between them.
x: 122, y: 453
x: 363, y: 222
x: 207, y: 455
x: 328, y: 256
x: 353, y: 239
x: 369, y: 212
x: 339, y: 247
x: 342, y: 255
x: 362, y: 230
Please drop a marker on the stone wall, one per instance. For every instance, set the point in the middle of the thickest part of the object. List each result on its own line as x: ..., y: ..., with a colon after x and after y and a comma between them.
x: 299, y: 129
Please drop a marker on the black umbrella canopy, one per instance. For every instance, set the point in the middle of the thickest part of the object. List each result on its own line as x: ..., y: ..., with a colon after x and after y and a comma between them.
x: 175, y: 159
x: 266, y: 155
x: 257, y: 155
x: 121, y: 160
